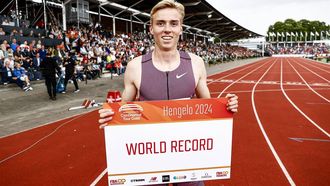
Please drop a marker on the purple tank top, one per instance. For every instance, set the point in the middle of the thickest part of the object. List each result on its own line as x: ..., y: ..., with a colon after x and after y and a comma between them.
x: 158, y: 85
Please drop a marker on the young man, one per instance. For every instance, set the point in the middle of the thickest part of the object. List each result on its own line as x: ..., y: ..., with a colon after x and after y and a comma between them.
x: 166, y: 73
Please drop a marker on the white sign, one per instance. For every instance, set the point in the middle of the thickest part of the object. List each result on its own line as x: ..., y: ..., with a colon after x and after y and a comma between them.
x: 168, y: 152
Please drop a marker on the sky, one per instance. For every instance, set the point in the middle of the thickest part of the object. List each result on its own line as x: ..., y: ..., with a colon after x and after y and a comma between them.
x: 258, y: 15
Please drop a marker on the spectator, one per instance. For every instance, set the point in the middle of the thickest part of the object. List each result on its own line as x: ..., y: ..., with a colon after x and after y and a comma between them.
x: 42, y: 52
x: 2, y: 33
x: 36, y: 66
x: 8, y: 77
x: 6, y: 22
x: 19, y: 73
x: 31, y: 34
x: 13, y: 45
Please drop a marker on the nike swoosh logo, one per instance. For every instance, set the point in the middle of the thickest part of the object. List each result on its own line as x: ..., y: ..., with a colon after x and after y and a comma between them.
x: 180, y: 76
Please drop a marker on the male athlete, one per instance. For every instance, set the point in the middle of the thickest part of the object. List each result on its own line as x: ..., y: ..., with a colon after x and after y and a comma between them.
x: 165, y: 73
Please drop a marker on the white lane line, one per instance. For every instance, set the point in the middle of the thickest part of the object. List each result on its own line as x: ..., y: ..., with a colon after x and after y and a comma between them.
x: 314, y: 73
x: 315, y: 66
x: 309, y: 139
x: 271, y: 90
x: 99, y: 177
x: 326, y: 65
x: 40, y: 140
x: 308, y: 84
x: 240, y: 79
x: 42, y: 125
x: 270, y: 145
x: 254, y: 64
x: 297, y: 108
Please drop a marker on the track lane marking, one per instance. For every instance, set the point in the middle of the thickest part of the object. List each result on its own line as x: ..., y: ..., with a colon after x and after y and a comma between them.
x: 307, y: 83
x: 99, y: 177
x: 253, y: 64
x: 314, y: 73
x: 309, y: 139
x: 271, y: 90
x: 317, y: 63
x: 41, y: 139
x: 317, y: 68
x: 297, y: 108
x: 270, y: 145
x: 240, y: 79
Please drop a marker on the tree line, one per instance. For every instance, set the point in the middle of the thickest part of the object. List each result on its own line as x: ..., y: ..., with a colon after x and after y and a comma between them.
x: 303, y: 30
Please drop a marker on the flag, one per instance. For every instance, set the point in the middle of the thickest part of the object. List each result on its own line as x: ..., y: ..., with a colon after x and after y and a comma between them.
x: 312, y: 34
x: 301, y: 34
x: 292, y: 34
x: 328, y: 34
x: 287, y: 33
x: 317, y: 34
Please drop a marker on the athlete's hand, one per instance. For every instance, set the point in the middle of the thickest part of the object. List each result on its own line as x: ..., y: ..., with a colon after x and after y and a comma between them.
x: 232, y: 104
x: 105, y: 116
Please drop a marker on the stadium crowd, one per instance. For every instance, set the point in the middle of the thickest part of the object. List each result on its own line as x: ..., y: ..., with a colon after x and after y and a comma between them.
x: 94, y: 50
x: 313, y: 50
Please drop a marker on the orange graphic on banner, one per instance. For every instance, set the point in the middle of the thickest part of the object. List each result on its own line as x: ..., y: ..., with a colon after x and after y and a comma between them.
x: 168, y: 111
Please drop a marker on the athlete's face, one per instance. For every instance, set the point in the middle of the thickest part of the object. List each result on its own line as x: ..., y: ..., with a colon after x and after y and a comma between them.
x: 166, y: 28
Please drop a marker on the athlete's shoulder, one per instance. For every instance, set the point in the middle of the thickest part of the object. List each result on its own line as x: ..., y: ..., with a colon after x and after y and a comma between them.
x: 196, y: 59
x: 135, y: 62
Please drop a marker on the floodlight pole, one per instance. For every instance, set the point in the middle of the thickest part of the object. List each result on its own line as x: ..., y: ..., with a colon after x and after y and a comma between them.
x: 26, y: 10
x: 64, y: 16
x: 77, y: 14
x: 131, y: 24
x: 17, y: 17
x: 45, y: 15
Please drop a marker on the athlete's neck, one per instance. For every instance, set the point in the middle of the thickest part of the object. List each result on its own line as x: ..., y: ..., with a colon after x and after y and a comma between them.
x: 165, y: 57
x: 166, y: 60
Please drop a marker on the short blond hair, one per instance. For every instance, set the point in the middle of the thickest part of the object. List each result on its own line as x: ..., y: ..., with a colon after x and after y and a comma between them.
x: 168, y: 4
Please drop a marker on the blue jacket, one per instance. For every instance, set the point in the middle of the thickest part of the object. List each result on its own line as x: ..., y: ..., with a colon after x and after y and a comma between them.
x: 19, y: 72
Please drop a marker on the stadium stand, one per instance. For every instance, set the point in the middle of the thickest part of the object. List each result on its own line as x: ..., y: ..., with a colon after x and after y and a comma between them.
x: 99, y: 49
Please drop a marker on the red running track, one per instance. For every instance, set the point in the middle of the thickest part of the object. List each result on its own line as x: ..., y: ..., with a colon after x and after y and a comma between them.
x: 280, y: 137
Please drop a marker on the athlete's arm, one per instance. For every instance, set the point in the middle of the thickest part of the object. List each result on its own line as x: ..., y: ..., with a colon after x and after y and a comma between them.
x: 133, y: 71
x: 202, y: 91
x: 130, y: 79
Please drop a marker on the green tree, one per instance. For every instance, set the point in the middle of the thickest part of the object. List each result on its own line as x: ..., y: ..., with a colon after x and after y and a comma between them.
x: 297, y: 27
